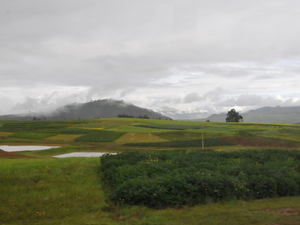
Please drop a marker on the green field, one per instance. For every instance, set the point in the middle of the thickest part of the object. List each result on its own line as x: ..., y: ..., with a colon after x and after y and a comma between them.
x: 47, y: 190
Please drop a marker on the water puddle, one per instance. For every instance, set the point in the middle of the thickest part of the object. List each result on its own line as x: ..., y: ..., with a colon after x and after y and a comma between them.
x: 17, y: 148
x: 83, y: 154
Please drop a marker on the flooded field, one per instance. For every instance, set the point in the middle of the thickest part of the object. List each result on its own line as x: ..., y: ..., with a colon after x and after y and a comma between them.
x: 17, y: 148
x: 83, y: 154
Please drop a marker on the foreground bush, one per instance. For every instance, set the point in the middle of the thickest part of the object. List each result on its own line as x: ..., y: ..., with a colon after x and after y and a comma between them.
x: 176, y: 178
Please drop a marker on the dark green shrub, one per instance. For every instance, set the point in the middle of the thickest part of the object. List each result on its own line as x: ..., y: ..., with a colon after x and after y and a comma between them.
x: 176, y: 178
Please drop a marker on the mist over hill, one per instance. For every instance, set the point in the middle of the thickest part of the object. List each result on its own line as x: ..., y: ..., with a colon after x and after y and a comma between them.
x: 280, y: 115
x: 105, y: 108
x: 109, y: 108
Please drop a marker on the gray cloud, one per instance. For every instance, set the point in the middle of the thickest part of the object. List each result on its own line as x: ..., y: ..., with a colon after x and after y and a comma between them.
x: 149, y: 53
x: 247, y: 100
x: 212, y: 96
x: 192, y: 97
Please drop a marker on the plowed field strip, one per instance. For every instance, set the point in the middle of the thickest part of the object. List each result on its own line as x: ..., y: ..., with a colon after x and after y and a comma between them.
x: 12, y: 155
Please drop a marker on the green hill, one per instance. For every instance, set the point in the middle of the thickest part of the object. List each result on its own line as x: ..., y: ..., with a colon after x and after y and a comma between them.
x: 105, y: 108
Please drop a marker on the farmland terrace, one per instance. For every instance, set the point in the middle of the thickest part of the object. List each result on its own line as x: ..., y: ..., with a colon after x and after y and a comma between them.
x: 242, y: 173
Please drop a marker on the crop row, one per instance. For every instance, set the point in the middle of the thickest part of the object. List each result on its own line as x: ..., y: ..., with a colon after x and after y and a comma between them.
x: 176, y: 178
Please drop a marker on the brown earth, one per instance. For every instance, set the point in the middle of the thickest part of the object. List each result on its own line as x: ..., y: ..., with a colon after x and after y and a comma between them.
x: 293, y: 213
x: 260, y: 142
x: 285, y: 211
x: 11, y: 155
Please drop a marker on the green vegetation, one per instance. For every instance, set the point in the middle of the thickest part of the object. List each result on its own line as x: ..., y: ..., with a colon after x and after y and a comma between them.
x: 49, y: 191
x: 31, y: 126
x: 176, y: 178
x: 67, y: 191
x: 180, y: 135
x: 100, y: 136
x: 171, y: 126
x: 187, y: 143
x: 233, y: 116
x: 46, y: 190
x: 32, y: 135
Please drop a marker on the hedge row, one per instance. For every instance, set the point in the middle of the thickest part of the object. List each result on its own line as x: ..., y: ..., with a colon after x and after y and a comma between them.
x: 176, y: 178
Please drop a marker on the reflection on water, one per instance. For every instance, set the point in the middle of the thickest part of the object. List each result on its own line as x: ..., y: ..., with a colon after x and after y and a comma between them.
x: 16, y: 148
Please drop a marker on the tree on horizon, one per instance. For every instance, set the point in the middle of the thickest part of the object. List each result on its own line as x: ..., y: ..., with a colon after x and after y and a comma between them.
x: 234, y: 116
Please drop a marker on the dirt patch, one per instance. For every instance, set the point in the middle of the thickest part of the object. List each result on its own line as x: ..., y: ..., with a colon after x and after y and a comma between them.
x: 290, y: 215
x: 260, y: 142
x: 11, y: 155
x: 284, y: 211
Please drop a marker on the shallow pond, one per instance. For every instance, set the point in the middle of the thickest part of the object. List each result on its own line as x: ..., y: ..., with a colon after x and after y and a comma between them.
x: 83, y: 154
x: 17, y: 148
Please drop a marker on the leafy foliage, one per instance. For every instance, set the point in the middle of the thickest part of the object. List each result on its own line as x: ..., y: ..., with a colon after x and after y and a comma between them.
x: 176, y: 178
x: 233, y: 116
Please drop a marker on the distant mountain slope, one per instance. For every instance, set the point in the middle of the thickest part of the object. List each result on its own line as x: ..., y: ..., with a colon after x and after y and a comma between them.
x: 280, y: 115
x: 106, y: 108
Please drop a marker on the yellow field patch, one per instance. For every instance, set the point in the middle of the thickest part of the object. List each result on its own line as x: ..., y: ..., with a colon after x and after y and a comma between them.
x: 117, y: 122
x: 5, y: 134
x: 139, y: 137
x: 95, y: 128
x: 64, y: 137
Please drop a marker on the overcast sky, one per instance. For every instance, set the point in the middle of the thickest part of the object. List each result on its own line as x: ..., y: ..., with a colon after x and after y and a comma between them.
x: 189, y: 57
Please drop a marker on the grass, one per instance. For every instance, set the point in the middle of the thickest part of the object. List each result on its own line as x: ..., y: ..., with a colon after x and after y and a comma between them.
x: 136, y: 129
x: 180, y: 135
x: 48, y: 191
x: 171, y: 126
x: 5, y: 134
x: 99, y: 136
x: 64, y: 137
x: 27, y: 135
x: 68, y: 191
x: 138, y: 138
x: 185, y: 144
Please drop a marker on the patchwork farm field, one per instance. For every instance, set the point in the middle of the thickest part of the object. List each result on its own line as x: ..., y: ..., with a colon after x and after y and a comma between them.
x: 157, y: 158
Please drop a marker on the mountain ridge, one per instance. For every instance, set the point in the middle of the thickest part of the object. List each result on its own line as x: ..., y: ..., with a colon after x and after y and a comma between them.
x: 102, y: 108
